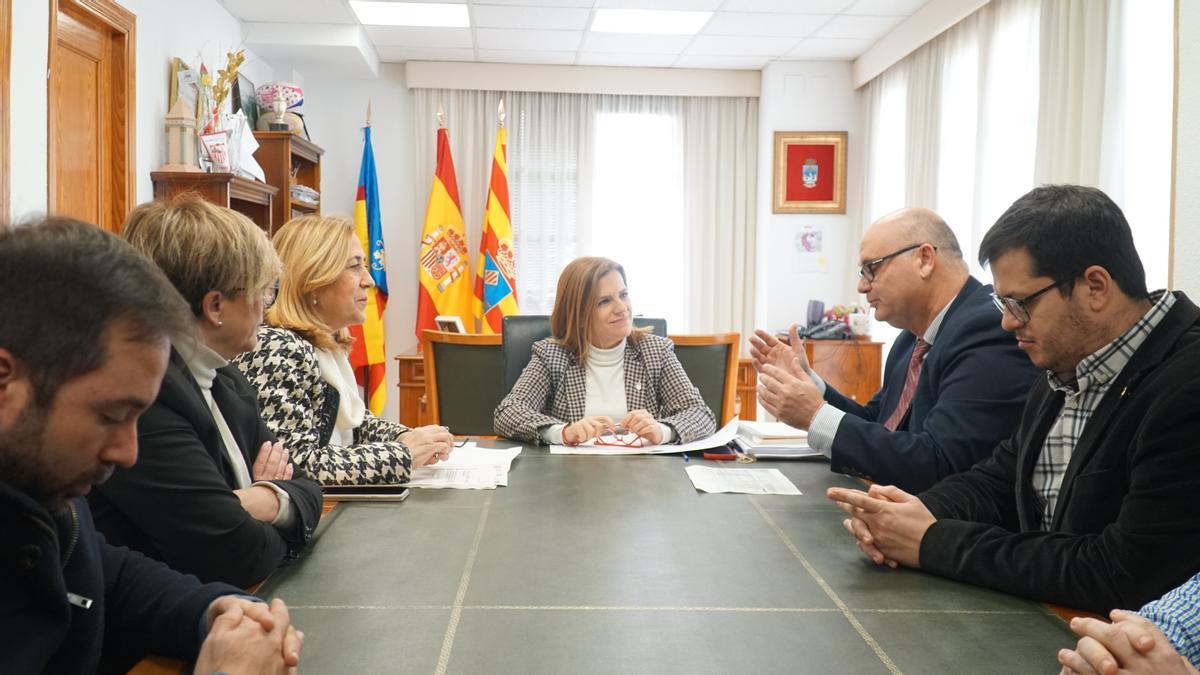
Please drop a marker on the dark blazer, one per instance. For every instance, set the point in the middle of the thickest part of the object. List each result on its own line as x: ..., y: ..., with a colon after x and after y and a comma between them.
x: 177, y: 504
x: 1126, y: 528
x: 969, y: 396
x: 552, y: 390
x: 139, y: 606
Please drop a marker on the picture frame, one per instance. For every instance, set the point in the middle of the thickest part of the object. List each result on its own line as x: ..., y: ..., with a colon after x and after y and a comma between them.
x: 809, y: 172
x: 449, y: 323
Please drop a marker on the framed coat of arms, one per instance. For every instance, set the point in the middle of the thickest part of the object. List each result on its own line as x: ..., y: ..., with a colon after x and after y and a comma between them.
x: 810, y: 172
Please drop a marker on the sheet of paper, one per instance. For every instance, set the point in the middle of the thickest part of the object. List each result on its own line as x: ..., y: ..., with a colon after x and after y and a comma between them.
x: 744, y: 481
x: 723, y: 436
x: 468, y: 468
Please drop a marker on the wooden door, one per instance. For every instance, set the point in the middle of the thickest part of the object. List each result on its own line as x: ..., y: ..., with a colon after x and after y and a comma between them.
x: 91, y: 169
x: 5, y: 60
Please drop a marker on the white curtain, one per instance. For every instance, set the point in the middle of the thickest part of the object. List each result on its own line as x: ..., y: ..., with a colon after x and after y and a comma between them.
x: 1024, y: 92
x: 663, y: 185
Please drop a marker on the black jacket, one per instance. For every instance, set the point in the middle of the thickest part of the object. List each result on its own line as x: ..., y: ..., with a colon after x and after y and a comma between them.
x: 176, y: 504
x: 969, y: 397
x: 1126, y: 527
x: 139, y: 606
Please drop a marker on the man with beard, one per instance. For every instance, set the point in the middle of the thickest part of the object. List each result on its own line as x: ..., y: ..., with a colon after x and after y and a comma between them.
x: 84, y: 329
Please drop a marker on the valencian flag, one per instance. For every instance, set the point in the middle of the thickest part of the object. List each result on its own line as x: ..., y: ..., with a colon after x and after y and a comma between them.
x: 443, y: 267
x: 496, y: 281
x: 368, y: 356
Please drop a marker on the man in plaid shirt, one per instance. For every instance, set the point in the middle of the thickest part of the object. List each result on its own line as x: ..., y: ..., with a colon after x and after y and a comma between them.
x: 1090, y: 503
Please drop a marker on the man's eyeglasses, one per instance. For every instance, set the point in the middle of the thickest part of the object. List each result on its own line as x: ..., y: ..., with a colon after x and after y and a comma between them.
x: 1018, y: 308
x: 869, y: 268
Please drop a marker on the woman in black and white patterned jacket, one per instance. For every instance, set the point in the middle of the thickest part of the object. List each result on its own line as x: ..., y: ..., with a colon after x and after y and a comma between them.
x: 302, y: 372
x: 597, y: 373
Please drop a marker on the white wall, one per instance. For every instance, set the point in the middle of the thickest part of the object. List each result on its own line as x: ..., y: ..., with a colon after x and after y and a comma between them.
x: 27, y: 101
x: 806, y: 96
x: 190, y: 29
x: 1186, y: 250
x: 334, y: 110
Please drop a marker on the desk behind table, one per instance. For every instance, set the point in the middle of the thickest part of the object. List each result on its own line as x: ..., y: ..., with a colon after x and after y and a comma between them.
x: 616, y: 564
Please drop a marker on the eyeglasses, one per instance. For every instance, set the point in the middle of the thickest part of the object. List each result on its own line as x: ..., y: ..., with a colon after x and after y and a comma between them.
x: 269, y: 296
x: 1018, y: 308
x: 869, y: 268
x: 621, y: 438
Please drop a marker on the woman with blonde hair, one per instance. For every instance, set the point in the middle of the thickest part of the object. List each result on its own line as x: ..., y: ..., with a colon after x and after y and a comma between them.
x: 302, y: 371
x: 212, y: 493
x: 596, y: 373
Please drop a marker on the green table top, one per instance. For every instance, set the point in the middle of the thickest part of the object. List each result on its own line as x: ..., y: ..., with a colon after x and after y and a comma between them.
x: 618, y: 565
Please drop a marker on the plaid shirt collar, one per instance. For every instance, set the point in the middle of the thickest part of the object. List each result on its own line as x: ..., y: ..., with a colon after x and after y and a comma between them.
x: 1103, y: 364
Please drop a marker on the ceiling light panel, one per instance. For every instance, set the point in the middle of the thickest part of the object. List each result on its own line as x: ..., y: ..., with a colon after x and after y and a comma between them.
x: 424, y: 14
x: 649, y: 21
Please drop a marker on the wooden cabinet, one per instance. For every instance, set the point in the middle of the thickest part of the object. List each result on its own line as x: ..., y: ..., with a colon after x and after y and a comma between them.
x: 247, y: 196
x: 288, y: 160
x: 853, y: 367
x: 413, y: 407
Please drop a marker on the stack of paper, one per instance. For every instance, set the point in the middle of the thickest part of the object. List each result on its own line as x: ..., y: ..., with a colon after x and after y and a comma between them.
x: 773, y: 440
x: 469, y: 468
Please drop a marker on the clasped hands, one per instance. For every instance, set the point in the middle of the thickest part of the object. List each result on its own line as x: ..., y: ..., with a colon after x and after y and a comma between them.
x: 886, y: 522
x: 249, y: 637
x: 785, y: 387
x: 1130, y: 644
x: 639, y: 422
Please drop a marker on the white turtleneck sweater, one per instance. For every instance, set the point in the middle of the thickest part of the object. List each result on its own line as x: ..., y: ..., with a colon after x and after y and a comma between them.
x: 604, y: 391
x: 202, y: 362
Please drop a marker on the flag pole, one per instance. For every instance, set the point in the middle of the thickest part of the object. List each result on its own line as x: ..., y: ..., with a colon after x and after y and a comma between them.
x: 441, y: 116
x: 368, y: 113
x: 500, y: 112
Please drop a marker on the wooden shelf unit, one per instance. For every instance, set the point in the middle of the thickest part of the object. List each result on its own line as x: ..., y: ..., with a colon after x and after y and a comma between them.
x: 279, y: 152
x: 247, y: 196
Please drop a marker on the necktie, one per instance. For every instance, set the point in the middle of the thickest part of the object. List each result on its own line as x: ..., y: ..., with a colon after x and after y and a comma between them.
x: 910, y: 385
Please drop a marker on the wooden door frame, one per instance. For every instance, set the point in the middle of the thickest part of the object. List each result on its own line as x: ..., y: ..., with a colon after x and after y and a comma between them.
x: 121, y: 23
x: 5, y: 64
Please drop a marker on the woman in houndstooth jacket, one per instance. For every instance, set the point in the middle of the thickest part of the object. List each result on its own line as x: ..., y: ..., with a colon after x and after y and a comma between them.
x: 596, y: 373
x: 302, y: 372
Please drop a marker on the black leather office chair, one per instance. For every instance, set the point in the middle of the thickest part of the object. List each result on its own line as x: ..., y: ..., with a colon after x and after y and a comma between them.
x: 710, y: 362
x: 521, y: 331
x: 462, y: 381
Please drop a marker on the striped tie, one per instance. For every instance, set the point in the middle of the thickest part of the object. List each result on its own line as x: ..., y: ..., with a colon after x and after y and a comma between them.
x: 910, y: 385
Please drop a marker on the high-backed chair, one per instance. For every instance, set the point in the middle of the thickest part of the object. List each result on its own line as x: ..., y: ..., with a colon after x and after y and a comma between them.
x: 710, y: 362
x: 463, y: 385
x: 522, y: 330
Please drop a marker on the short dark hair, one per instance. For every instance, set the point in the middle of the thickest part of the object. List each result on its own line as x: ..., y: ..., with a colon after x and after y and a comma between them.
x: 1066, y: 229
x: 63, y: 283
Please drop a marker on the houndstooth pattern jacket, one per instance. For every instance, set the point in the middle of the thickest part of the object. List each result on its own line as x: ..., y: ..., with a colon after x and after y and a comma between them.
x: 300, y: 408
x: 551, y: 390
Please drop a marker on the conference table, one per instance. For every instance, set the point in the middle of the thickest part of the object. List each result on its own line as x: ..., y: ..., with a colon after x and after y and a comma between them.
x: 616, y: 564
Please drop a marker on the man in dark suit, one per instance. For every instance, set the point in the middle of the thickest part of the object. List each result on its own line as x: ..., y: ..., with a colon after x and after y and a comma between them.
x: 1091, y: 502
x: 954, y: 383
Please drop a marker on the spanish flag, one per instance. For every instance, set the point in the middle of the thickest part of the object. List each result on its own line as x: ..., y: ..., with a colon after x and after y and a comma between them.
x: 496, y: 281
x: 368, y: 355
x: 443, y: 268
